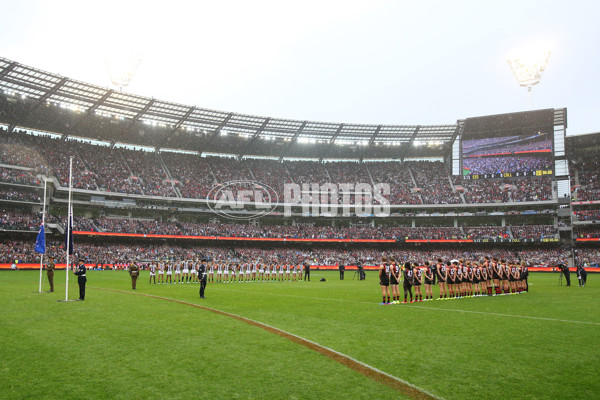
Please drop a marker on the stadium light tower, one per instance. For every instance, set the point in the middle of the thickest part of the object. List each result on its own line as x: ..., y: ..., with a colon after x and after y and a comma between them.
x: 527, y: 66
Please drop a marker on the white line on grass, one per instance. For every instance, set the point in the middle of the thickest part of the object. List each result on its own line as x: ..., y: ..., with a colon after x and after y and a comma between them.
x: 416, y: 391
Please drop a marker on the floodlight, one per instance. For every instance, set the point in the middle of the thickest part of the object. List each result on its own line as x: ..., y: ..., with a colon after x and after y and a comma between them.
x: 528, y: 68
x: 122, y: 65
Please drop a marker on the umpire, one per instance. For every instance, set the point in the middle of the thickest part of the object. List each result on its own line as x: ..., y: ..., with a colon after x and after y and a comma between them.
x: 342, y: 268
x: 202, y: 277
x: 80, y: 271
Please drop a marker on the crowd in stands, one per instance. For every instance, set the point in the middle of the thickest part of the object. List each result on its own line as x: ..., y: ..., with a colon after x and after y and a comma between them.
x: 397, y: 175
x: 483, y: 191
x: 169, y: 174
x: 587, y: 215
x: 433, y: 182
x: 532, y: 189
x: 19, y: 221
x: 487, y: 232
x: 589, y: 256
x: 11, y: 250
x: 110, y: 170
x: 191, y: 173
x: 534, y: 231
x: 18, y: 176
x: 121, y: 225
x: 588, y: 187
x: 587, y: 233
x: 148, y: 172
x: 20, y: 195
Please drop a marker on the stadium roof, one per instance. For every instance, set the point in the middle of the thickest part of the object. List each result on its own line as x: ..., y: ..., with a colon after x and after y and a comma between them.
x: 21, y: 80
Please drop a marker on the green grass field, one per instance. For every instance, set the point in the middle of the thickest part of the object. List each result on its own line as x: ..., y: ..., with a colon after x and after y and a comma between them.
x: 540, y: 345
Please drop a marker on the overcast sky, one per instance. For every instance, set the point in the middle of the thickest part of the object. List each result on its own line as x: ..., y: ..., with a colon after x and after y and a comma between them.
x: 378, y: 62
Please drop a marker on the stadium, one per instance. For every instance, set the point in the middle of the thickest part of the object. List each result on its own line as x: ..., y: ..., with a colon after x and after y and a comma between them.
x: 152, y: 182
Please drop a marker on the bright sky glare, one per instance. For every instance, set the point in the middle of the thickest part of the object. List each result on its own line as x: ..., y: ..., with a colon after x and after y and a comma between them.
x: 379, y: 62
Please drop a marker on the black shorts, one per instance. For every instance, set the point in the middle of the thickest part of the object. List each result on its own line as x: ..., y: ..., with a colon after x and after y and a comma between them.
x: 428, y: 281
x: 495, y: 276
x: 475, y: 280
x: 393, y: 281
x: 449, y: 281
x: 417, y: 284
x: 384, y: 282
x: 407, y: 285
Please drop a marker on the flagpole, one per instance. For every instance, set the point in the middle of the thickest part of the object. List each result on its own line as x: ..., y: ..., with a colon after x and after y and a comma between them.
x: 43, y: 224
x: 69, y: 227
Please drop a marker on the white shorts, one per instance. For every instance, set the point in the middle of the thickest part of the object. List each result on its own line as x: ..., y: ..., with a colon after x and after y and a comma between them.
x: 186, y: 271
x: 219, y: 272
x: 152, y: 274
x: 194, y: 272
x: 169, y: 273
x: 161, y: 272
x: 281, y: 272
x: 226, y: 272
x: 177, y: 272
x: 262, y: 271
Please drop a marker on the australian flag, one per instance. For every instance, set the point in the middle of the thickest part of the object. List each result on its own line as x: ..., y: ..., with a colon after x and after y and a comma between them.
x: 69, y: 234
x: 40, y: 243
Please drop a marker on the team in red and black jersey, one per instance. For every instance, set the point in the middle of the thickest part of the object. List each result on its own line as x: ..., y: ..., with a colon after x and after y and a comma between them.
x: 456, y: 278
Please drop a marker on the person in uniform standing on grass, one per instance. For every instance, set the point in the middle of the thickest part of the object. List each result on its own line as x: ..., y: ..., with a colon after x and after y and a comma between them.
x: 442, y: 274
x: 202, y: 276
x: 134, y: 271
x: 50, y: 272
x: 429, y: 278
x: 408, y: 275
x: 395, y: 281
x: 342, y: 268
x: 566, y: 272
x: 384, y: 281
x: 153, y: 272
x: 307, y: 271
x: 80, y: 271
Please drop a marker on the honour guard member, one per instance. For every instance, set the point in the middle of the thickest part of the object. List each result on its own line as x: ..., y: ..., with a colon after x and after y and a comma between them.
x: 50, y: 272
x: 202, y: 277
x: 80, y: 271
x: 134, y: 271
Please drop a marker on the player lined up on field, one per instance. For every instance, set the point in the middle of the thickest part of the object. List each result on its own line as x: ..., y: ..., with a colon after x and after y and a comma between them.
x: 456, y: 279
x: 183, y: 271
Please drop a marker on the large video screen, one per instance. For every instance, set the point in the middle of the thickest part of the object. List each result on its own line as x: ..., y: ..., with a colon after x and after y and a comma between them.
x: 508, y: 153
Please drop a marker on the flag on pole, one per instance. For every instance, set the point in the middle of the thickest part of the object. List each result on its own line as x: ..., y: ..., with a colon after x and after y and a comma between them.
x: 40, y: 243
x: 69, y: 233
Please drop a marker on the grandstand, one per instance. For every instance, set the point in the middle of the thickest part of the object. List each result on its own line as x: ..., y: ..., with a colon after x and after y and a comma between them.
x: 143, y: 169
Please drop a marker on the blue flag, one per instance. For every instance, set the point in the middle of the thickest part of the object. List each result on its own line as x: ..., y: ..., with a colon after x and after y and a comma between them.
x: 40, y: 243
x: 69, y: 234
